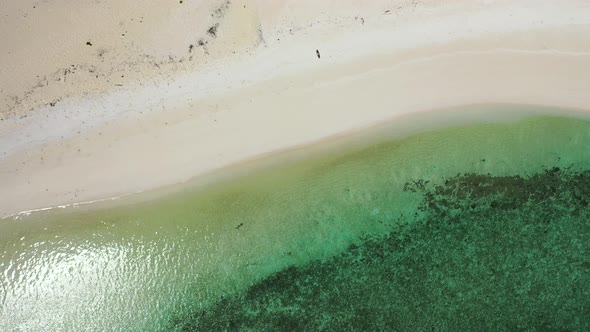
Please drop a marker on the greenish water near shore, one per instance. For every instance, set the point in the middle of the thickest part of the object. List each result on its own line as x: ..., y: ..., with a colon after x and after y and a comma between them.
x: 385, y: 231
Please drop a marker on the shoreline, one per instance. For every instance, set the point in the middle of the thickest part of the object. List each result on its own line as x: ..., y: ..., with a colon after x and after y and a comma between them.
x: 187, y: 133
x: 398, y: 128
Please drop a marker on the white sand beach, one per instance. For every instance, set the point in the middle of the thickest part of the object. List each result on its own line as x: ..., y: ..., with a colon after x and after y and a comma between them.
x: 103, y: 99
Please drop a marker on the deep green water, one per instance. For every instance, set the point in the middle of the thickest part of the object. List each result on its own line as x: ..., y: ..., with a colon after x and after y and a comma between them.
x: 479, y: 227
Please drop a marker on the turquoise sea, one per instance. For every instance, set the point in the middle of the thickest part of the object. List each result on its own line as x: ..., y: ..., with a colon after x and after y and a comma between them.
x: 444, y: 225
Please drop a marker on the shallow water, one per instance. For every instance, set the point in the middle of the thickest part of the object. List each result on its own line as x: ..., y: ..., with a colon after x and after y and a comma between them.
x: 166, y: 263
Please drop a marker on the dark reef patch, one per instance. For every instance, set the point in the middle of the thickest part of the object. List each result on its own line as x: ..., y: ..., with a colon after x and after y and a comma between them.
x: 484, y: 253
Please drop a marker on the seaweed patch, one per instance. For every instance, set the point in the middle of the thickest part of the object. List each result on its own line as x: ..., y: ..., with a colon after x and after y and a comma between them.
x: 510, y: 250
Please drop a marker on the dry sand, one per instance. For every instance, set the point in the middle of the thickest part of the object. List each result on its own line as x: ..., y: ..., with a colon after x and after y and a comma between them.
x: 100, y: 99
